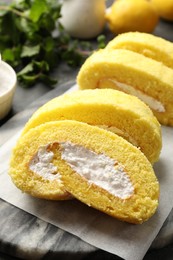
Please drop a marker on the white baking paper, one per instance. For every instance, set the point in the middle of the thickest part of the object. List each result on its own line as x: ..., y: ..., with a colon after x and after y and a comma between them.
x: 128, y: 241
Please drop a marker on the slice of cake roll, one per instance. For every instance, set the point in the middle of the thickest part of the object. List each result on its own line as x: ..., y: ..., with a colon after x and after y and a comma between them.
x: 110, y: 109
x: 96, y: 166
x: 133, y: 73
x: 149, y: 45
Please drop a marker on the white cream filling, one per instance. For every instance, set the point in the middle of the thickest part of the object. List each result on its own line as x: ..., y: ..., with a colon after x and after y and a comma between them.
x: 150, y: 101
x: 98, y: 169
x: 42, y: 165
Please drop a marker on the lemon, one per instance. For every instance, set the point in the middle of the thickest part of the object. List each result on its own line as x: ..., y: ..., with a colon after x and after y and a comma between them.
x: 132, y: 15
x: 164, y: 8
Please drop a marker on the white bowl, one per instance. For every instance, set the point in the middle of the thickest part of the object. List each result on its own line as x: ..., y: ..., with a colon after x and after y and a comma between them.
x: 8, y: 80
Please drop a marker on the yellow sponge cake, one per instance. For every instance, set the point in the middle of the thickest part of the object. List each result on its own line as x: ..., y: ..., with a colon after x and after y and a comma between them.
x: 133, y: 73
x: 147, y: 44
x: 31, y: 167
x: 110, y: 109
x: 96, y: 166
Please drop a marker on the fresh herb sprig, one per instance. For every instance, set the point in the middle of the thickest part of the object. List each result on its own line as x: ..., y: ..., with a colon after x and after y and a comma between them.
x: 33, y: 41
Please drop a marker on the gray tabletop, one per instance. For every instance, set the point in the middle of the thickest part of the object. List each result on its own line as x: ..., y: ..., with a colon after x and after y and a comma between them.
x: 25, y: 236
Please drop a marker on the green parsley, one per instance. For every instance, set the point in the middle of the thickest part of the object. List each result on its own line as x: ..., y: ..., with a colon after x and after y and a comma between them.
x: 33, y: 41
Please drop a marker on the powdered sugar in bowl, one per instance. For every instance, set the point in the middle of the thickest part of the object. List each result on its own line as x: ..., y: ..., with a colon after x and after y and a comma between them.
x: 8, y: 82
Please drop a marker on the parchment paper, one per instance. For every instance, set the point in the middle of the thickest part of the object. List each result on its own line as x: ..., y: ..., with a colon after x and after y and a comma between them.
x: 128, y: 241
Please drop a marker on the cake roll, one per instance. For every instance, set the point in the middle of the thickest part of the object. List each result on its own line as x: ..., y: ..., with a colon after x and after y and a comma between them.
x: 110, y: 109
x: 147, y: 44
x: 99, y: 168
x: 133, y: 73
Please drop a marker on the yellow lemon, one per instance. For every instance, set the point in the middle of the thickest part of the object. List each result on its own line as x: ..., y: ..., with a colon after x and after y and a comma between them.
x: 132, y: 15
x: 164, y: 8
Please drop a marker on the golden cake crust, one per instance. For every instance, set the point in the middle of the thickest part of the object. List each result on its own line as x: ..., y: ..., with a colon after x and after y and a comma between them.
x: 149, y: 45
x: 110, y: 109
